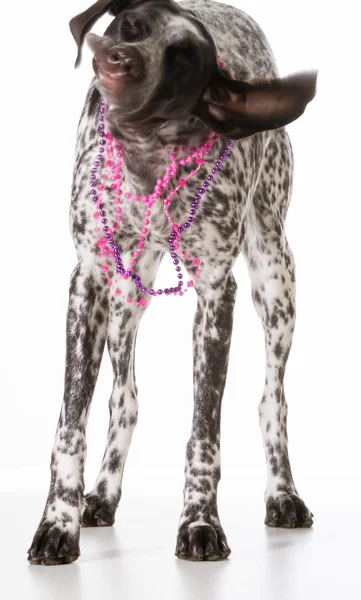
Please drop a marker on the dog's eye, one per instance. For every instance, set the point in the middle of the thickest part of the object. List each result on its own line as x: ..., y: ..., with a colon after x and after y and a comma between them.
x: 134, y: 30
x: 180, y: 56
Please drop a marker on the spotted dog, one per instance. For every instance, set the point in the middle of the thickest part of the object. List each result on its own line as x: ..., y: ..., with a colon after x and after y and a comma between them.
x: 156, y: 68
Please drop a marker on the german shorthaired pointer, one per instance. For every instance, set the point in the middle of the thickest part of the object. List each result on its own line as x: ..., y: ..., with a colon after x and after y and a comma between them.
x: 160, y: 84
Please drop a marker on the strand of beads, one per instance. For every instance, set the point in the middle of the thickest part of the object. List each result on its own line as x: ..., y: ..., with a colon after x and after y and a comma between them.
x: 112, y: 171
x: 161, y: 185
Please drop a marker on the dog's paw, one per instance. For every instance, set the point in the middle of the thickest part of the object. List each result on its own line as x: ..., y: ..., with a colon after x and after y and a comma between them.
x: 202, y: 542
x: 53, y: 545
x: 287, y: 510
x: 96, y: 512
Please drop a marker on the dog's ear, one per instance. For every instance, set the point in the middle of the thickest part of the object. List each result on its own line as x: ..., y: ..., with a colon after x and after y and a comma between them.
x: 239, y: 109
x: 81, y: 24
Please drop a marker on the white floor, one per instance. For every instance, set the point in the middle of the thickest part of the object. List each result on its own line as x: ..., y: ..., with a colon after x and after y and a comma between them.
x: 135, y: 558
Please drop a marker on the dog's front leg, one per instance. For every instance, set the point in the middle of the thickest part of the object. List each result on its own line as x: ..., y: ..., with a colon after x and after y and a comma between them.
x: 56, y: 540
x: 200, y: 535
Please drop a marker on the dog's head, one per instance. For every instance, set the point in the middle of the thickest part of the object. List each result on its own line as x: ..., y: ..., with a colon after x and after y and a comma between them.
x: 158, y: 61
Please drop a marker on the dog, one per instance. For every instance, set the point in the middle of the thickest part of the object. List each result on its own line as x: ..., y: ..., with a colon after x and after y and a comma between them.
x: 172, y: 75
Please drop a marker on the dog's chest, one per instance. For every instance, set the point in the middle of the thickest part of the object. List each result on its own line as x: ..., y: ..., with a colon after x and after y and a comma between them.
x: 219, y: 208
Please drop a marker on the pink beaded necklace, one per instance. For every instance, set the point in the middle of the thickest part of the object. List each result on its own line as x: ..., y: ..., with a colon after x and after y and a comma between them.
x: 110, y: 159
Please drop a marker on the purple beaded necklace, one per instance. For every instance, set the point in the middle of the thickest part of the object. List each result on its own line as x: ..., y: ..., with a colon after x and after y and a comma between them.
x: 109, y: 158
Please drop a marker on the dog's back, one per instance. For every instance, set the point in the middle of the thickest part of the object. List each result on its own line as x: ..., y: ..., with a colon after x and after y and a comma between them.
x: 240, y: 42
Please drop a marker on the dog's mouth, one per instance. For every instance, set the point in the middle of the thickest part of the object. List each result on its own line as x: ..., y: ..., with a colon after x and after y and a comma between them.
x: 110, y: 80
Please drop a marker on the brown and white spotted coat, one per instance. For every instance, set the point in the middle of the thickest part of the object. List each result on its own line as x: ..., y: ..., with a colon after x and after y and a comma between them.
x: 244, y: 212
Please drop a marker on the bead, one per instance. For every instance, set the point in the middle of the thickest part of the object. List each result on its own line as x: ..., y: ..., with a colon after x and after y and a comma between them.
x: 229, y: 142
x: 144, y: 230
x: 118, y: 292
x: 180, y: 229
x: 218, y: 163
x: 136, y: 197
x: 227, y: 151
x: 190, y: 283
x: 192, y: 211
x: 159, y: 292
x: 205, y: 184
x: 146, y: 221
x: 196, y: 261
x: 223, y: 157
x: 129, y: 300
x: 145, y: 290
x: 127, y: 195
x: 142, y: 302
x: 178, y: 269
x: 197, y: 197
x: 202, y: 191
x: 190, y: 219
x: 210, y: 177
x: 176, y: 262
x: 186, y: 225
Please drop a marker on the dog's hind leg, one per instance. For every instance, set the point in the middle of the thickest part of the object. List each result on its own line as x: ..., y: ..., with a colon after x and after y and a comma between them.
x: 56, y: 540
x: 272, y: 272
x: 200, y: 535
x: 101, y: 503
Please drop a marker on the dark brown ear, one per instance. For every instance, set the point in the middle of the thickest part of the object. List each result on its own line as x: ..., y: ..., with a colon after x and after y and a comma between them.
x: 239, y: 109
x: 81, y: 24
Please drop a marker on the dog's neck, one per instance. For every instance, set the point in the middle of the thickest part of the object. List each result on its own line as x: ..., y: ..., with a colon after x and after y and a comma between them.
x: 146, y: 146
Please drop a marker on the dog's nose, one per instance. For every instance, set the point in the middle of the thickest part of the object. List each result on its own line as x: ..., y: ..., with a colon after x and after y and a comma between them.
x: 126, y: 61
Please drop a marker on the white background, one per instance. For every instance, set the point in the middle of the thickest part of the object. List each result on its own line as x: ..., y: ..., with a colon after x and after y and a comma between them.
x: 43, y: 96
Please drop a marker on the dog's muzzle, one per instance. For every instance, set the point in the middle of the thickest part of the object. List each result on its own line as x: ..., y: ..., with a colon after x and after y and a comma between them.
x: 119, y: 66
